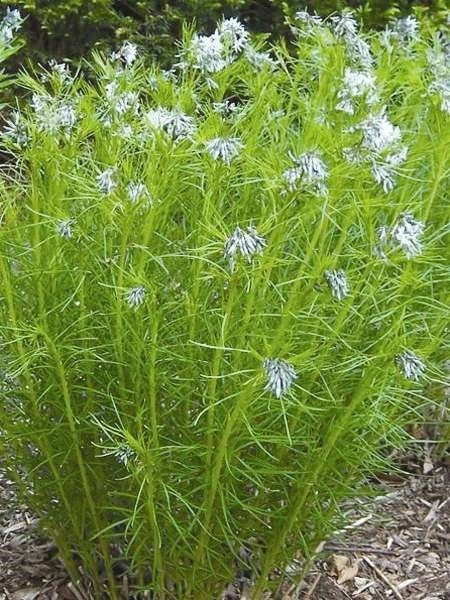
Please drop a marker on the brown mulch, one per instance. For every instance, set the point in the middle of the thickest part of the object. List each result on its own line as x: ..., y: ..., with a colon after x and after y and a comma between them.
x: 396, y: 546
x: 30, y: 569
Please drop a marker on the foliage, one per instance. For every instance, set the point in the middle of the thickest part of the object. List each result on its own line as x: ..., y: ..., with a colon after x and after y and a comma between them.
x: 223, y: 295
x: 10, y: 44
x: 70, y: 28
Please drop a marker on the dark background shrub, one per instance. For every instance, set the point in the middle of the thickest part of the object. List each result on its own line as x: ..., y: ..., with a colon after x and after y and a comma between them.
x: 71, y: 28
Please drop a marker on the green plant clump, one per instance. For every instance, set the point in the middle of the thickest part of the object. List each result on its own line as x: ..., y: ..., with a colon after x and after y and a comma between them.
x: 222, y: 295
x: 10, y: 44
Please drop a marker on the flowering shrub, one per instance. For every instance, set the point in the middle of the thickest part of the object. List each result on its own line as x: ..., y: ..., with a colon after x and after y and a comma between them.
x: 71, y: 28
x: 9, y: 43
x: 222, y: 295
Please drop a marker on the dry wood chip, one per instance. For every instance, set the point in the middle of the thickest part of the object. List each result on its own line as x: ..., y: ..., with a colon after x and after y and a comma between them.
x: 14, y: 527
x: 359, y: 522
x: 386, y: 580
x: 405, y: 584
x: 344, y: 569
x: 26, y: 594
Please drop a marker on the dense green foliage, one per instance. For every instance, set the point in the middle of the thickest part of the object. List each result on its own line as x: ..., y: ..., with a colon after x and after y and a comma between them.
x: 223, y: 295
x: 70, y: 28
x: 10, y: 44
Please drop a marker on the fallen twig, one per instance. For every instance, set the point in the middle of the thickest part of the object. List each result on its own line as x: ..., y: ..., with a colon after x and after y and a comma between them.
x: 310, y: 592
x: 360, y: 549
x: 75, y: 591
x: 383, y: 577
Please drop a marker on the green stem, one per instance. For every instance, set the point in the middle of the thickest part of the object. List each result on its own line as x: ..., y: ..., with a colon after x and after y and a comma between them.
x: 213, y: 471
x: 293, y: 292
x: 42, y: 441
x: 442, y: 161
x: 79, y: 458
x: 118, y: 315
x: 216, y: 469
x: 193, y: 298
x: 304, y: 490
x: 158, y: 564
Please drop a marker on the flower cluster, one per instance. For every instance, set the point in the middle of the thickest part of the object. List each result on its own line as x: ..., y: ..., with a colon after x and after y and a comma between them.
x: 176, y: 124
x: 208, y: 53
x: 280, y: 376
x: 384, y: 171
x: 358, y: 50
x: 124, y: 454
x: 441, y: 86
x: 439, y: 63
x: 309, y: 172
x: 337, y: 282
x: 378, y: 132
x: 126, y: 54
x: 9, y: 25
x: 356, y: 84
x: 233, y: 36
x: 259, y: 60
x: 401, y: 31
x: 224, y: 149
x: 135, y: 296
x: 406, y: 29
x: 53, y: 115
x: 121, y: 451
x: 65, y: 228
x: 380, y: 147
x: 245, y: 242
x: 226, y: 108
x: 16, y: 129
x: 137, y: 191
x: 405, y: 235
x: 59, y: 71
x: 411, y: 365
x: 212, y: 53
x: 344, y: 25
x: 121, y: 102
x: 310, y: 21
x: 107, y: 180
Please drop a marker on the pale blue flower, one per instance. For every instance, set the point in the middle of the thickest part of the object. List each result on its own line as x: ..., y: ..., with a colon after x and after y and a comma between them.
x: 309, y: 171
x: 136, y: 296
x: 107, y: 180
x: 224, y: 149
x: 245, y: 242
x: 64, y: 228
x: 280, y: 376
x: 406, y: 234
x: 337, y: 282
x: 411, y: 365
x: 127, y: 53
